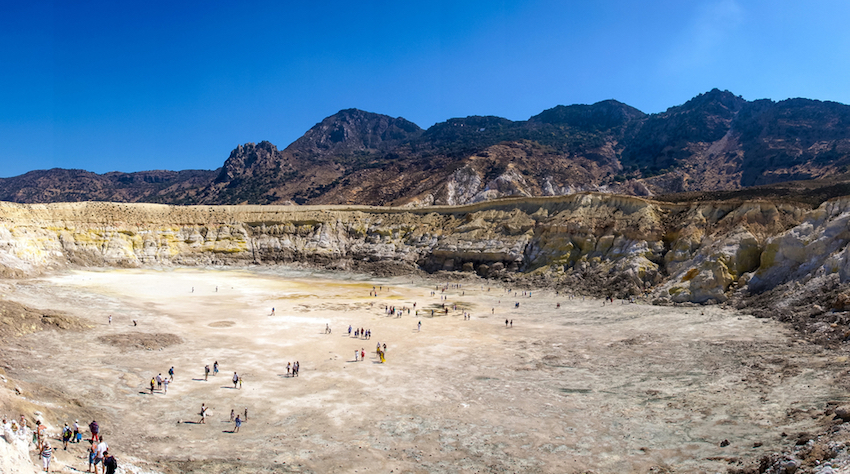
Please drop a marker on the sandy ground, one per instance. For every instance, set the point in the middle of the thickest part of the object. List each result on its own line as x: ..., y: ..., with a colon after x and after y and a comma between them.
x: 583, y: 387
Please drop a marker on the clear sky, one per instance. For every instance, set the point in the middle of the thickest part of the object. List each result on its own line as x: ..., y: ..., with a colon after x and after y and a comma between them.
x: 130, y: 86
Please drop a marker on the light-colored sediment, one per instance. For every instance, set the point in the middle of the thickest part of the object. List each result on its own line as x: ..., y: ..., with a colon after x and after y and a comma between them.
x: 614, y: 388
x: 618, y: 245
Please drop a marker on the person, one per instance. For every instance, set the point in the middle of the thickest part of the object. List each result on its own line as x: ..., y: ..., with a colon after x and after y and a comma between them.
x: 159, y: 381
x: 110, y: 319
x: 46, y: 453
x: 153, y: 383
x: 215, y: 368
x: 109, y: 462
x: 240, y: 382
x: 203, y: 414
x: 101, y: 449
x: 235, y: 379
x: 349, y: 330
x: 92, y: 454
x: 512, y: 323
x: 506, y: 323
x: 77, y: 435
x: 420, y: 326
x: 245, y: 415
x: 356, y: 353
x: 66, y: 436
x: 206, y: 371
x: 135, y: 323
x: 272, y: 311
x: 232, y: 414
x: 362, y: 353
x: 297, y: 368
x: 41, y: 430
x: 171, y: 373
x: 238, y: 424
x: 165, y: 383
x: 327, y: 328
x: 288, y: 368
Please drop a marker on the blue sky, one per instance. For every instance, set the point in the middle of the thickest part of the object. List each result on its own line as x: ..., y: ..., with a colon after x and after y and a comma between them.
x: 130, y: 86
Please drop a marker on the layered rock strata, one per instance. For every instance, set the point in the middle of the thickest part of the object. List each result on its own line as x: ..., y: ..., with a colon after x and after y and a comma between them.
x: 603, y: 244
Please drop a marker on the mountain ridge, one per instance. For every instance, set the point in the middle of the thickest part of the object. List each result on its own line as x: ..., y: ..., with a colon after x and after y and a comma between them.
x: 714, y: 142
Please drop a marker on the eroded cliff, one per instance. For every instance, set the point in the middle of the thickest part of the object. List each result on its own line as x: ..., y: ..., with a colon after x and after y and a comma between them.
x: 596, y: 243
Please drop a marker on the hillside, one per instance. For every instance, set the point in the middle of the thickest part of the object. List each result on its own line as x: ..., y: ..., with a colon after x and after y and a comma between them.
x: 715, y: 142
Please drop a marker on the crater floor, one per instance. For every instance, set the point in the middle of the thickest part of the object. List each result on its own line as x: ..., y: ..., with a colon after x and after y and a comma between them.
x: 608, y: 388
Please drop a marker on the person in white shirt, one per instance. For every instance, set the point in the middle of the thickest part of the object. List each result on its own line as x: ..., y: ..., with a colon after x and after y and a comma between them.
x: 98, y: 455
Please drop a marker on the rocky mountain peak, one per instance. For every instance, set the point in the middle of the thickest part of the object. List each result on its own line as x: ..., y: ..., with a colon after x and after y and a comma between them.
x: 603, y: 115
x: 354, y: 131
x: 714, y: 101
x: 247, y: 156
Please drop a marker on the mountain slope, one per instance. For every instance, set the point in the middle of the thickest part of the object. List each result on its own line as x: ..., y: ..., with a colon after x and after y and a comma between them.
x: 715, y: 142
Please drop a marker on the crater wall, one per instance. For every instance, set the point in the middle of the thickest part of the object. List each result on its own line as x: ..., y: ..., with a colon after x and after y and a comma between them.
x: 597, y: 243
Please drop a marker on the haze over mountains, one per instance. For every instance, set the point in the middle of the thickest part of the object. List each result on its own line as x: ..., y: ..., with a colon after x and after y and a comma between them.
x: 714, y: 142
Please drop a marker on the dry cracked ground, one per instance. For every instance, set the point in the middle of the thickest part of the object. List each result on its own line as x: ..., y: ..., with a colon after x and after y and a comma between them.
x: 584, y: 387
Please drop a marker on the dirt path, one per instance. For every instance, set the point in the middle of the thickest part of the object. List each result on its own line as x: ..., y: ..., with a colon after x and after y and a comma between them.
x: 614, y: 388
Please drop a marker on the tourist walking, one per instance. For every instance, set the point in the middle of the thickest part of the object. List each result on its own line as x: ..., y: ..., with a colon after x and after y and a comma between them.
x: 235, y: 379
x: 66, y: 436
x: 238, y: 424
x: 206, y: 372
x: 109, y: 462
x: 95, y: 429
x: 215, y: 368
x: 101, y: 450
x: 46, y: 454
x: 40, y: 431
x: 92, y: 454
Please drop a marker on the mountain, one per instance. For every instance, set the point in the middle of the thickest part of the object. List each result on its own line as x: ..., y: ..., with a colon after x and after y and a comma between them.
x: 716, y: 142
x: 63, y: 185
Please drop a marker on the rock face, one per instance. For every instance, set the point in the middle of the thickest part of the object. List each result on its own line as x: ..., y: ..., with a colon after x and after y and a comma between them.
x: 597, y: 243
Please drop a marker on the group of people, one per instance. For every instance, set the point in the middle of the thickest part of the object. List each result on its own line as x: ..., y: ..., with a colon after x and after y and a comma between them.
x: 98, y: 452
x: 292, y: 368
x: 393, y: 311
x: 360, y: 332
x: 234, y: 417
x: 160, y: 382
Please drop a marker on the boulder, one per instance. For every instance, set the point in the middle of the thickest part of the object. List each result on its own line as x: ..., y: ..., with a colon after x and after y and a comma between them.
x: 843, y: 412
